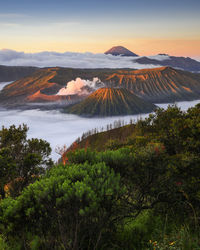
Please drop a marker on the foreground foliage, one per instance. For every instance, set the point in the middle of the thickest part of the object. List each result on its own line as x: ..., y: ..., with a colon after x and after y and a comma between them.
x: 22, y: 160
x: 142, y: 191
x: 70, y: 208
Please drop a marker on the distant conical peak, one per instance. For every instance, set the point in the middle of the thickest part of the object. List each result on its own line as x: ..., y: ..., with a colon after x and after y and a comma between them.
x: 120, y: 50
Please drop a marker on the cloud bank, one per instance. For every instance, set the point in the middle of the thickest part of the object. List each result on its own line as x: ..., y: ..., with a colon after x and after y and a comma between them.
x: 81, y: 87
x: 3, y: 84
x: 68, y: 59
x: 59, y: 129
x: 197, y: 58
x: 160, y: 57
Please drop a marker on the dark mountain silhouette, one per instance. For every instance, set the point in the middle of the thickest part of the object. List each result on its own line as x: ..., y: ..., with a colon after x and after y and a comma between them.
x: 111, y: 102
x: 13, y: 73
x: 120, y: 50
x: 185, y: 63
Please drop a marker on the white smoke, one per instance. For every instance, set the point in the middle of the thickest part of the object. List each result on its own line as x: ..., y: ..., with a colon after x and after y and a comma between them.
x: 81, y: 87
x: 68, y: 59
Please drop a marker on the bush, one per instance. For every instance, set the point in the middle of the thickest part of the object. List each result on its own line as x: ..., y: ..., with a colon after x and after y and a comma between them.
x: 72, y: 207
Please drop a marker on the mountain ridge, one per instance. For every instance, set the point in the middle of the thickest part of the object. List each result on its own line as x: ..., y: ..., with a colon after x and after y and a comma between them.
x: 157, y: 85
x: 184, y: 63
x: 111, y: 102
x: 13, y: 73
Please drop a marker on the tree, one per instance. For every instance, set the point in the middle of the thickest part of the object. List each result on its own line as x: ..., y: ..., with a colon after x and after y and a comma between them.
x: 151, y: 176
x: 21, y: 160
x: 177, y: 130
x: 7, y: 170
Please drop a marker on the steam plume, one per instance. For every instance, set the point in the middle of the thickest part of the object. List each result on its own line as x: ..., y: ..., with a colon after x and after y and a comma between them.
x: 81, y: 87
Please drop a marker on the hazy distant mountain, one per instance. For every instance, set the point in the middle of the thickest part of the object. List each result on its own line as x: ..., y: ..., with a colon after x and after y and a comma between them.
x: 185, y: 63
x: 13, y: 73
x: 120, y: 50
x: 111, y: 102
x: 158, y: 85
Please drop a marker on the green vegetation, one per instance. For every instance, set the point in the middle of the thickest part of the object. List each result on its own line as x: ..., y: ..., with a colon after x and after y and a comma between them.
x: 22, y: 160
x: 140, y: 191
x: 111, y: 102
x: 70, y: 208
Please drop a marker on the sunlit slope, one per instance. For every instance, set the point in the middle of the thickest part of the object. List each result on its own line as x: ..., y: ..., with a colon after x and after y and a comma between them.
x: 43, y: 84
x: 111, y: 102
x: 158, y: 85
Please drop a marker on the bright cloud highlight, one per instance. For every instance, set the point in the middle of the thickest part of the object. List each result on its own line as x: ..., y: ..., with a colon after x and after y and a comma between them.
x: 81, y: 87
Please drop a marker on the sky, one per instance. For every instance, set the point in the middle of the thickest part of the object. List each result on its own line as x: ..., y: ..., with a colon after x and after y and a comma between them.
x: 146, y: 27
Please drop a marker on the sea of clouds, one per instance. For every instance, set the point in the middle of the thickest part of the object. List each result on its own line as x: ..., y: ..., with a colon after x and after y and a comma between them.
x: 74, y: 60
x: 63, y: 129
x: 69, y: 59
x: 57, y: 128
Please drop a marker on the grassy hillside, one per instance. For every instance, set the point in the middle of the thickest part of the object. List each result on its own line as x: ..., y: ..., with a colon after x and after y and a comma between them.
x: 101, y: 141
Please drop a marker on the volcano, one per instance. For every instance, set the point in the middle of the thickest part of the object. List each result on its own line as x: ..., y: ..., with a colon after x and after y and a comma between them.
x: 111, y: 102
x: 120, y: 50
x: 157, y: 85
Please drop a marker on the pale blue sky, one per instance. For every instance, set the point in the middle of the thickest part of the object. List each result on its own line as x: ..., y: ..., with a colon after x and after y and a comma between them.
x: 144, y: 26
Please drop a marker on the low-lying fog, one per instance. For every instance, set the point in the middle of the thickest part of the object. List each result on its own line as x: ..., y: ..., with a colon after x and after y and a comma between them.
x: 3, y: 84
x: 60, y: 129
x: 63, y: 129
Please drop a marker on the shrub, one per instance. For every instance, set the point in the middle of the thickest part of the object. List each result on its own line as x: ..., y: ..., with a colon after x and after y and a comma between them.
x: 71, y: 207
